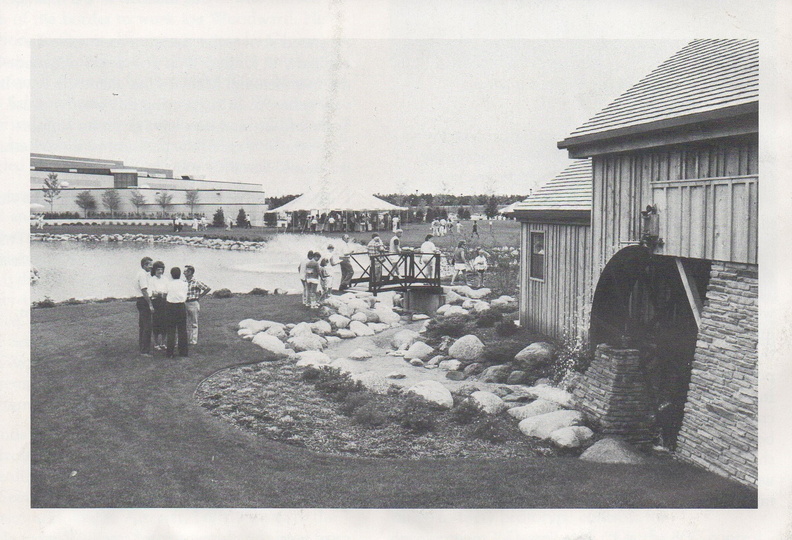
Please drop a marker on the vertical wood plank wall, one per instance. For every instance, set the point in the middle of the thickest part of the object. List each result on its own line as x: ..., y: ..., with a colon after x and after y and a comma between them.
x: 707, y: 197
x: 560, y: 303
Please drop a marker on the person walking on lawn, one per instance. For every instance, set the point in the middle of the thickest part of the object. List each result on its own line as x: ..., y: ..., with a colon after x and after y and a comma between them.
x: 195, y: 291
x: 144, y: 306
x: 176, y: 318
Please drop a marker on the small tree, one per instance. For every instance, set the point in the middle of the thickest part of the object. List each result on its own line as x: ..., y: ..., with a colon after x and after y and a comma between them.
x: 191, y: 197
x: 491, y: 209
x: 165, y: 200
x: 137, y: 199
x: 219, y: 218
x: 111, y: 200
x: 51, y: 189
x: 241, y: 219
x: 86, y: 201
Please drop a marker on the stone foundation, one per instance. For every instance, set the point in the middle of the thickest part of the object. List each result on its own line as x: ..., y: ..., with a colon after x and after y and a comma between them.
x: 613, y: 392
x: 719, y: 429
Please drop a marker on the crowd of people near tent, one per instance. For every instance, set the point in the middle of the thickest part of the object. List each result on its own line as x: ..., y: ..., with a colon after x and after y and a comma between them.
x: 338, y: 221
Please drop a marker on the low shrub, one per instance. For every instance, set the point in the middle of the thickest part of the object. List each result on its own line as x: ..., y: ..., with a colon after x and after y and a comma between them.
x: 506, y: 328
x: 72, y: 302
x: 259, y: 292
x: 310, y: 374
x: 503, y: 309
x: 453, y: 326
x: 573, y: 355
x: 222, y: 293
x: 354, y: 401
x: 46, y: 303
x: 488, y: 319
x: 466, y: 412
x: 336, y: 384
x: 417, y: 415
x: 371, y: 415
x: 494, y: 429
x: 501, y: 352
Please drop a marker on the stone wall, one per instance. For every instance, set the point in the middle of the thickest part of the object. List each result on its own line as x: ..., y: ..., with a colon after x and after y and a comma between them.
x: 614, y: 393
x: 719, y: 429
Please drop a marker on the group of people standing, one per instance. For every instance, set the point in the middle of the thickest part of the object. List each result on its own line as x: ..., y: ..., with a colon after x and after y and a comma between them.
x: 167, y: 307
x: 315, y: 271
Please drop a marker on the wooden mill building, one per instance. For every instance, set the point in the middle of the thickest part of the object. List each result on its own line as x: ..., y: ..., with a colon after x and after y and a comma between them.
x: 670, y: 266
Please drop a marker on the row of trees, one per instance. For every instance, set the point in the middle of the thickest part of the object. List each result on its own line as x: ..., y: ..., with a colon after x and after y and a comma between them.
x: 111, y: 198
x: 423, y: 200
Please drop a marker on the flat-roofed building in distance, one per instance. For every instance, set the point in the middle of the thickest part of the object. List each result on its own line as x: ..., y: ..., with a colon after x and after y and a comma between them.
x: 79, y: 174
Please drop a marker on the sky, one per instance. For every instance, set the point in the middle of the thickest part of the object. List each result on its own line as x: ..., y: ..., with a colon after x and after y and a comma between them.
x: 384, y: 115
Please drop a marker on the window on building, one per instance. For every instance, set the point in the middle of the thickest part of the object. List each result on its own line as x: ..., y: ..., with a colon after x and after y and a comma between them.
x: 537, y: 255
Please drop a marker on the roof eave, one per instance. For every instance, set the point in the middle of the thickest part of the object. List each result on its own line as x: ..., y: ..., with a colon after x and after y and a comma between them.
x: 660, y: 125
x: 577, y: 217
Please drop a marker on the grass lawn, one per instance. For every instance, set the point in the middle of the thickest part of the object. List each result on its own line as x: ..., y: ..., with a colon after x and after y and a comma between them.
x: 112, y: 429
x: 503, y: 233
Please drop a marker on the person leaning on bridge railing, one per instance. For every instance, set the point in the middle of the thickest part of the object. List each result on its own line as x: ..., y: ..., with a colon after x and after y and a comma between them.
x: 428, y: 250
x: 375, y: 247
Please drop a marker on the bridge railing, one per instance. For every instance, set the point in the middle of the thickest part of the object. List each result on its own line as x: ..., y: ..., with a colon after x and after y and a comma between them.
x: 397, y: 271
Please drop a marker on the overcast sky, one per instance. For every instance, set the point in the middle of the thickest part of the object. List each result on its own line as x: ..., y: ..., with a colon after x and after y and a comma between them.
x: 460, y: 116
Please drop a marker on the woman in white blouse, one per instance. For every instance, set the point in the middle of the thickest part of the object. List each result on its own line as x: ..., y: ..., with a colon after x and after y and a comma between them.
x: 157, y: 289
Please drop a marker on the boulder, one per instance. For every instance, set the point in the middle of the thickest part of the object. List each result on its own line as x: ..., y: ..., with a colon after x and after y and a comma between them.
x: 338, y: 321
x: 476, y: 294
x: 417, y: 362
x: 302, y: 328
x: 516, y: 377
x: 255, y: 326
x: 551, y: 393
x: 345, y: 333
x: 360, y: 329
x: 434, y: 392
x: 480, y: 306
x: 543, y: 425
x: 469, y: 348
x: 473, y: 369
x: 612, y: 450
x: 307, y: 342
x: 454, y: 375
x: 419, y: 350
x: 279, y: 331
x: 535, y: 354
x: 495, y: 374
x: 538, y: 407
x: 571, y: 437
x: 442, y: 309
x: 332, y: 339
x: 463, y: 290
x: 466, y: 390
x: 312, y: 358
x: 468, y: 303
x: 321, y: 328
x: 455, y: 310
x: 453, y: 298
x: 435, y: 360
x: 419, y: 316
x: 244, y: 332
x: 503, y: 301
x: 373, y: 381
x: 345, y: 310
x: 358, y: 304
x: 360, y: 316
x: 371, y: 315
x: 396, y: 375
x: 274, y: 348
x: 490, y: 403
x: 387, y: 315
x: 377, y: 326
x: 359, y: 354
x: 449, y: 365
x: 423, y: 328
x: 402, y: 339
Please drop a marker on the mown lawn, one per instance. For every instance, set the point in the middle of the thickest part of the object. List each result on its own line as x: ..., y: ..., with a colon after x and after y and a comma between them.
x: 112, y: 429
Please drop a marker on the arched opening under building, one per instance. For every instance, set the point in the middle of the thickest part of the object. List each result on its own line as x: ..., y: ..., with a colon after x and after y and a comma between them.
x: 641, y: 303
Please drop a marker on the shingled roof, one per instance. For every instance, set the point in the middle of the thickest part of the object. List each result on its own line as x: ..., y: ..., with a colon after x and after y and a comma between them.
x: 567, y: 197
x: 706, y: 75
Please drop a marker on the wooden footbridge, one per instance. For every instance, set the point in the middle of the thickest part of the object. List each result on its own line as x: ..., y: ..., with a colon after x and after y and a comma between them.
x: 407, y: 271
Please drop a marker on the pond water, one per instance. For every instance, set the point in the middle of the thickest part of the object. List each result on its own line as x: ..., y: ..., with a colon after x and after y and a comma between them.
x: 86, y: 270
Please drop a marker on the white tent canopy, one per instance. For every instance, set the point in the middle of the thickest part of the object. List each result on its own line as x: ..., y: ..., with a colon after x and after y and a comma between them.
x: 342, y: 201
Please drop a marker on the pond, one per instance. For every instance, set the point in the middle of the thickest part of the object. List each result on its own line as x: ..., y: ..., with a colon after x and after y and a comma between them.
x: 86, y: 270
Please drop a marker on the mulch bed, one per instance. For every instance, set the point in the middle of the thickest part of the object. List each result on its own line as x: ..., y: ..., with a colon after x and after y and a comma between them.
x: 270, y: 400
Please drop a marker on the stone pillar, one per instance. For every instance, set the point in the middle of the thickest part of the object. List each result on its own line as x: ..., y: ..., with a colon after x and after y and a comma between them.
x: 614, y: 393
x: 719, y: 429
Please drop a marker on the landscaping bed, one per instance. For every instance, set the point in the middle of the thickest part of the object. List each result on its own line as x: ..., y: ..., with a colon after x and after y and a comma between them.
x: 273, y: 400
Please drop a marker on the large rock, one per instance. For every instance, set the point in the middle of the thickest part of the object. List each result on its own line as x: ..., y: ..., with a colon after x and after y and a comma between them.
x: 571, y: 437
x: 473, y: 369
x: 301, y: 329
x: 360, y: 316
x: 277, y: 330
x: 359, y: 354
x: 454, y: 375
x: 306, y: 342
x: 345, y: 333
x: 490, y: 403
x: 312, y: 358
x: 358, y: 304
x: 338, y: 320
x: 449, y: 365
x: 516, y: 377
x: 495, y: 374
x: 360, y: 329
x: 468, y: 348
x: 402, y: 339
x: 433, y: 391
x: 535, y: 354
x: 612, y: 450
x: 419, y: 350
x: 455, y: 310
x: 386, y: 315
x: 503, y: 301
x: 378, y: 326
x: 441, y: 311
x: 543, y: 425
x: 538, y: 407
x: 453, y: 298
x: 345, y: 310
x: 551, y: 393
x: 255, y: 326
x: 274, y: 348
x: 321, y: 328
x: 480, y: 306
x: 476, y: 294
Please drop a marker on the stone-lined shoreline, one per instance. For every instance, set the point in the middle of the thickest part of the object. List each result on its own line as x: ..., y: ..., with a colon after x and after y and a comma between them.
x: 197, y: 241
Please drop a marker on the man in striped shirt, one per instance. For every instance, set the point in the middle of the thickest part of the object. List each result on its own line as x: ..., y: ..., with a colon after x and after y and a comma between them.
x: 195, y: 291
